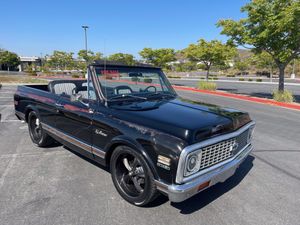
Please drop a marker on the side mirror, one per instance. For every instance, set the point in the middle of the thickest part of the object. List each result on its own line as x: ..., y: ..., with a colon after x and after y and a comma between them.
x: 76, y: 98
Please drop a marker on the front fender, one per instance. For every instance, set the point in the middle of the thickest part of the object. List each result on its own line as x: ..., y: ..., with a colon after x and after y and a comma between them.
x: 135, y: 145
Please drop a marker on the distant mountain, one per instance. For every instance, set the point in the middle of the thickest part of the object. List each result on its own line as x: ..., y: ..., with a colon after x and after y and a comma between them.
x: 244, y: 53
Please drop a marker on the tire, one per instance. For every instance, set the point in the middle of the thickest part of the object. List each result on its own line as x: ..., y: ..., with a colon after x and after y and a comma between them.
x: 36, y: 132
x: 132, y: 176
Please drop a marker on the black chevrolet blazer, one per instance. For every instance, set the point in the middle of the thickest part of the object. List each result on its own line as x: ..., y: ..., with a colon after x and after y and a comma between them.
x: 131, y: 119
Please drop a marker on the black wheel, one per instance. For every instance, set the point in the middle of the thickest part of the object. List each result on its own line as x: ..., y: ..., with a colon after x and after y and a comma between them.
x: 37, y: 135
x: 132, y: 176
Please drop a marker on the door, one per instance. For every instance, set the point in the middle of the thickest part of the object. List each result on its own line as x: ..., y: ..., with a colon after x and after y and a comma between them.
x: 103, y: 130
x: 74, y: 121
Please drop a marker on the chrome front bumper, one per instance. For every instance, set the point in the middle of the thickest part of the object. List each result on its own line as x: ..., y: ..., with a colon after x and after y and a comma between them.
x: 181, y: 192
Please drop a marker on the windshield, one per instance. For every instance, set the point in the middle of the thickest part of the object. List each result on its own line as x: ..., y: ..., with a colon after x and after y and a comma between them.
x: 133, y: 83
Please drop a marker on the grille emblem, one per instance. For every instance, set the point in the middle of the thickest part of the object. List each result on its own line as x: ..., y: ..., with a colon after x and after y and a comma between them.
x: 235, y: 147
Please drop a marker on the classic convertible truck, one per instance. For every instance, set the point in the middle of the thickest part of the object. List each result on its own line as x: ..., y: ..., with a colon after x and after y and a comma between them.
x: 130, y: 119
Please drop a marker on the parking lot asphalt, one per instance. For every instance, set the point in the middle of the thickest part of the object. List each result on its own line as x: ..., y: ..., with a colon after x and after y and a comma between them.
x: 55, y: 186
x: 262, y: 90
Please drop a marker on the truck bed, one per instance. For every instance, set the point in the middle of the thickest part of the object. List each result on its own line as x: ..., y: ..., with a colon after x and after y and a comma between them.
x: 31, y: 96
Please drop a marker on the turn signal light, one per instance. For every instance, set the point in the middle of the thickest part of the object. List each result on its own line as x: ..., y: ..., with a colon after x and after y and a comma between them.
x: 203, y: 185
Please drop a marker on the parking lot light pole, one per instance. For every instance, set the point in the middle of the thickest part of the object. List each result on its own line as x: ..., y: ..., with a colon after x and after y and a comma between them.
x: 86, y: 48
x: 85, y: 35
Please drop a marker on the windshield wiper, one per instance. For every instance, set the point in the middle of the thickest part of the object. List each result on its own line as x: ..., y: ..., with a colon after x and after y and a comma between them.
x: 118, y: 97
x: 161, y: 94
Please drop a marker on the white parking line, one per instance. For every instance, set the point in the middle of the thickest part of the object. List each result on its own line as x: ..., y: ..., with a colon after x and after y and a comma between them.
x: 9, y: 121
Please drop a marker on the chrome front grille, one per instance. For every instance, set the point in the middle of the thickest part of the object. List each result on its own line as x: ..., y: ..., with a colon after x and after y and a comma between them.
x: 223, y: 150
x: 242, y: 140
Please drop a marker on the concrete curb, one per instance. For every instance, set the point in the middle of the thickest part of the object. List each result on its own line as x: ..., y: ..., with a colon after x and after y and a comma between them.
x: 294, y: 106
x: 237, y: 81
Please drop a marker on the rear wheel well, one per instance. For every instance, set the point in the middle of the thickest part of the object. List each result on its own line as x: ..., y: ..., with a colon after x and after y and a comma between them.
x: 27, y: 114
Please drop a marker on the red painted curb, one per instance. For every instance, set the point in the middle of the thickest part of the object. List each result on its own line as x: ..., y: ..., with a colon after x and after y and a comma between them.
x: 242, y: 97
x: 59, y: 77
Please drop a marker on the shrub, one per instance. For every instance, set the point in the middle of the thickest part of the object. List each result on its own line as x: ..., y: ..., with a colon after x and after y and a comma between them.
x: 250, y: 79
x: 32, y: 73
x: 75, y: 76
x: 135, y: 79
x: 147, y: 80
x: 202, y: 78
x: 171, y: 76
x: 283, y: 96
x: 230, y: 75
x: 215, y: 78
x: 259, y: 80
x: 204, y: 85
x: 241, y: 79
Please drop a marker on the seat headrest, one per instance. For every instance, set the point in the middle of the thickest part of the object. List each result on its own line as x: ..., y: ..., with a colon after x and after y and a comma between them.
x: 66, y: 86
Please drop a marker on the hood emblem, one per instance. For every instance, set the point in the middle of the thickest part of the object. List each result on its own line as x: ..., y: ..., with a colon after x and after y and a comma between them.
x: 216, y: 129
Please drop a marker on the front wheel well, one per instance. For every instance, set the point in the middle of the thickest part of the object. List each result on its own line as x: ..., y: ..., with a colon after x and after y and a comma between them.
x: 110, y: 151
x: 115, y: 145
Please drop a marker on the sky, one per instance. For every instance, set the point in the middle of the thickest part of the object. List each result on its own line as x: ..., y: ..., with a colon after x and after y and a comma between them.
x: 35, y: 28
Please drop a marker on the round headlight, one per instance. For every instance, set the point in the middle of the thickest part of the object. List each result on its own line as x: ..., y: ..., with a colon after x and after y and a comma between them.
x: 192, y: 162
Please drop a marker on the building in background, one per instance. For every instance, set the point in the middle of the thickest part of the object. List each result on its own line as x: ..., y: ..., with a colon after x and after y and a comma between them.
x: 29, y: 61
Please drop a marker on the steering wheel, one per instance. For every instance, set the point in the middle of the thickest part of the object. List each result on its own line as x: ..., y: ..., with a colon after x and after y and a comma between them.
x: 147, y: 89
x: 123, y: 89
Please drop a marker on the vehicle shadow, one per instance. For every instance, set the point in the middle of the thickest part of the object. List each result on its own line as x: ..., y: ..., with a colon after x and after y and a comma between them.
x: 209, y: 195
x: 54, y: 145
x: 105, y: 168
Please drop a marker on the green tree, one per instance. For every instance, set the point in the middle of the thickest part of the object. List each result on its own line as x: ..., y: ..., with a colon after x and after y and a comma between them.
x: 158, y: 57
x: 271, y: 26
x: 61, y: 60
x: 185, y: 66
x: 264, y: 60
x: 242, y: 65
x: 127, y: 59
x: 89, y: 56
x: 210, y: 53
x: 9, y: 59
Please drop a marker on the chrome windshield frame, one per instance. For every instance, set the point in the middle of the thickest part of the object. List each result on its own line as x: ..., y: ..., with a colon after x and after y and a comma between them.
x: 99, y: 86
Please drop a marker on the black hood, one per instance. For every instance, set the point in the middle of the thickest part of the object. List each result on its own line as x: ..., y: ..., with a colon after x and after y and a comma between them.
x: 185, y: 119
